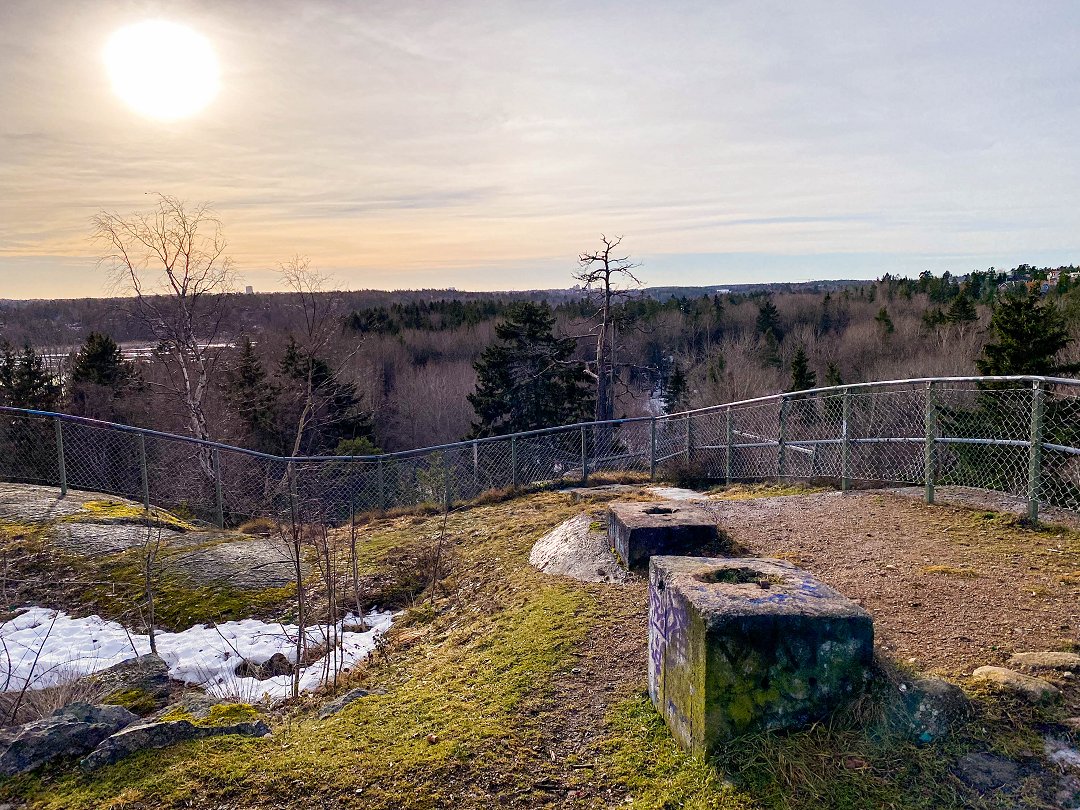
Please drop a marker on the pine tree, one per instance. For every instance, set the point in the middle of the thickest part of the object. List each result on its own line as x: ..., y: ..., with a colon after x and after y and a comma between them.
x: 1027, y: 334
x: 674, y: 395
x: 768, y: 319
x: 884, y: 322
x: 961, y: 310
x: 100, y: 376
x: 326, y: 409
x: 832, y: 375
x: 770, y: 350
x: 249, y: 391
x: 802, y: 377
x: 25, y: 382
x: 527, y: 379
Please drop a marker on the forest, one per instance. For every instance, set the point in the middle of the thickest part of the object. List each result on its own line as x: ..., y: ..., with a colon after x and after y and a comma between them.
x: 318, y: 371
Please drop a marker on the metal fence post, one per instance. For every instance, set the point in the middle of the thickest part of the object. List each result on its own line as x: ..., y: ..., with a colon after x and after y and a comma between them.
x: 689, y: 439
x: 652, y: 449
x: 218, y: 493
x: 381, y: 472
x: 446, y: 478
x: 61, y: 466
x: 513, y: 462
x: 845, y: 441
x: 1035, y: 450
x: 929, y: 447
x: 781, y: 441
x: 476, y: 466
x: 584, y: 456
x: 144, y: 473
x: 728, y: 436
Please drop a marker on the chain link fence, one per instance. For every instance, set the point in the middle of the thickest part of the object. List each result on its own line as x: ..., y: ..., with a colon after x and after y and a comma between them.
x: 1016, y: 435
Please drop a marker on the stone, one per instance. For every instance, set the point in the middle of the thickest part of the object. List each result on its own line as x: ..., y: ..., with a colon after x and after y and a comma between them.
x: 71, y: 731
x: 1058, y: 661
x: 141, y: 684
x: 146, y: 736
x: 339, y: 703
x: 1034, y: 690
x: 989, y: 773
x: 273, y: 667
x: 637, y: 531
x: 931, y: 707
x: 744, y: 645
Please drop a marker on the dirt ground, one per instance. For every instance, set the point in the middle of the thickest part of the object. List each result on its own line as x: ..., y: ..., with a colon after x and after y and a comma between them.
x: 950, y: 587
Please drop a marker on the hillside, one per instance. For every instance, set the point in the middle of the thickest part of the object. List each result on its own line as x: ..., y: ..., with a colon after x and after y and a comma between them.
x: 515, y: 688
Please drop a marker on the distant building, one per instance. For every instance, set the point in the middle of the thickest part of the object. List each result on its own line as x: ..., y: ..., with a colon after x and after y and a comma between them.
x: 249, y: 290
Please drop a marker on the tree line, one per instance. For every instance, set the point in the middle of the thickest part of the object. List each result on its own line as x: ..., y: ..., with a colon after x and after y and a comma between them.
x: 319, y: 371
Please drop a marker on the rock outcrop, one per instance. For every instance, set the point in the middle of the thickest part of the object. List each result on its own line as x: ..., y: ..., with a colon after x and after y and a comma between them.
x: 146, y: 736
x: 71, y: 731
x: 1034, y: 690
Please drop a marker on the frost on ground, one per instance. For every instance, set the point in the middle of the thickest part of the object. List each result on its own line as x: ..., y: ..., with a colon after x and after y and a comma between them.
x: 576, y: 549
x: 49, y: 647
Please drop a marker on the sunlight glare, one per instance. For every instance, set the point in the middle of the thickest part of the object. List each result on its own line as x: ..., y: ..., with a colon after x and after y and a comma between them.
x: 161, y: 69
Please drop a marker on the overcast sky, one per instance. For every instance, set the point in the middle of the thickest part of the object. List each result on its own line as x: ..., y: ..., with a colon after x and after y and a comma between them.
x: 482, y: 145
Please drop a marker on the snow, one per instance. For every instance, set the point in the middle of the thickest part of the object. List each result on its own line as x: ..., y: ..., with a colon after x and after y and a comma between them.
x: 207, y: 655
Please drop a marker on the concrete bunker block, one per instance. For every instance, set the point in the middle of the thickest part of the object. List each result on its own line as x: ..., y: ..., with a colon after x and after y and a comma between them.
x: 744, y: 645
x: 639, y: 530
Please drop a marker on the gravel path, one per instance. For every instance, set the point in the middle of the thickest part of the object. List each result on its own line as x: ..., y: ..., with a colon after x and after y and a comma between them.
x: 947, y: 585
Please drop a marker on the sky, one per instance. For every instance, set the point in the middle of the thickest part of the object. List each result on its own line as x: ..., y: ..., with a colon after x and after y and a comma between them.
x: 483, y: 145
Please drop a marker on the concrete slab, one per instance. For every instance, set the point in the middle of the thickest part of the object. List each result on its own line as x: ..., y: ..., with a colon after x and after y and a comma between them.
x: 639, y: 530
x: 743, y: 645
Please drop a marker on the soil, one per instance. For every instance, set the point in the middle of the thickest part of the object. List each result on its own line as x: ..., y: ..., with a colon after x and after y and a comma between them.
x: 950, y: 588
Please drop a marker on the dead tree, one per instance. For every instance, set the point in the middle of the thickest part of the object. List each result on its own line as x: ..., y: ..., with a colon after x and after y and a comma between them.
x: 600, y: 275
x: 172, y: 259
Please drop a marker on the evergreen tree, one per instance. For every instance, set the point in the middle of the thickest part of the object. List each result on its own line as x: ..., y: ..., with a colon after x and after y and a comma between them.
x: 884, y: 322
x: 99, y: 377
x: 527, y: 379
x: 25, y: 382
x: 832, y: 375
x: 802, y: 377
x: 675, y: 389
x: 249, y: 391
x: 1027, y: 334
x: 770, y: 350
x: 768, y: 319
x: 326, y: 409
x: 961, y: 310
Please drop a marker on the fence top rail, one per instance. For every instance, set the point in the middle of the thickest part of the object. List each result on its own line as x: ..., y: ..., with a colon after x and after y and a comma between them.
x: 401, y: 454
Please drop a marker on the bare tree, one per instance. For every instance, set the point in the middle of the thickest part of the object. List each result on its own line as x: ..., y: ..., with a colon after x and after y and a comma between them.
x: 172, y: 259
x: 601, y: 273
x: 319, y: 386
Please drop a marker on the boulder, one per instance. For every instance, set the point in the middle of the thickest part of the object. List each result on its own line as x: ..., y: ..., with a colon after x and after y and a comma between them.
x: 1034, y: 690
x: 275, y: 666
x: 637, y: 531
x: 339, y: 703
x: 71, y: 731
x: 744, y: 645
x: 146, y: 736
x: 141, y: 684
x: 931, y: 707
x: 1058, y: 661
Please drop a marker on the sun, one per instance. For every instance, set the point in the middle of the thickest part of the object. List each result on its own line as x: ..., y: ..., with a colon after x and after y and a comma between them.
x: 162, y: 70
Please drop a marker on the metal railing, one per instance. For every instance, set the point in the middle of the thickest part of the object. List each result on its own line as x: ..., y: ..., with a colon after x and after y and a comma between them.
x: 1017, y: 435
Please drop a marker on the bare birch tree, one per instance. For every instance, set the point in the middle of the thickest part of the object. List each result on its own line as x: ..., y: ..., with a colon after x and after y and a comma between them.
x: 172, y: 259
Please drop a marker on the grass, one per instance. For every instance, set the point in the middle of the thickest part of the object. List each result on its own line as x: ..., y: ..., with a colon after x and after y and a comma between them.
x: 474, y: 692
x: 742, y: 492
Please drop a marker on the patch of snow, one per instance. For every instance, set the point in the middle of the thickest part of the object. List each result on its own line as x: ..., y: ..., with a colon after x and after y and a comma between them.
x: 207, y: 655
x: 1061, y: 753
